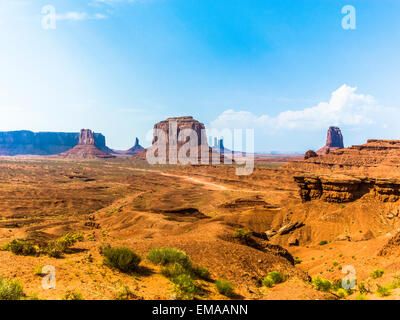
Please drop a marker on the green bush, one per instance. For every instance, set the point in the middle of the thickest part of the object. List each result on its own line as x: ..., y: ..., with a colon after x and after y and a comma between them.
x: 21, y: 247
x: 322, y: 284
x: 383, y: 291
x: 297, y: 261
x: 58, y: 247
x: 123, y: 259
x: 11, y: 290
x: 164, y: 256
x: 377, y: 273
x: 276, y: 276
x: 243, y: 235
x: 73, y: 295
x: 225, y: 287
x: 185, y: 287
x: 173, y: 270
x: 201, y: 272
x: 342, y: 293
x: 268, y: 282
x: 361, y: 296
x: 323, y: 242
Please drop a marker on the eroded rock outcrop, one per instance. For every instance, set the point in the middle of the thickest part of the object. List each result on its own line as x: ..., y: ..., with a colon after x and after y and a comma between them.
x: 342, y: 188
x: 310, y: 154
x: 172, y: 129
x: 334, y: 141
x: 86, y: 148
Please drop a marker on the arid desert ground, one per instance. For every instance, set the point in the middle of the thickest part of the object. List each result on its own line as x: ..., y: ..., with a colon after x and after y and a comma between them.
x: 199, y: 210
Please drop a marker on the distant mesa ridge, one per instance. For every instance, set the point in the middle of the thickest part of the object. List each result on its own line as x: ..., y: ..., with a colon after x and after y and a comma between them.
x: 26, y: 142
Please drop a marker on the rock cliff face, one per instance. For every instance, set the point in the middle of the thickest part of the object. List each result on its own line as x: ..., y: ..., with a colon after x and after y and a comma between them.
x: 343, y: 188
x: 41, y: 143
x: 87, y: 147
x: 334, y: 141
x: 172, y: 127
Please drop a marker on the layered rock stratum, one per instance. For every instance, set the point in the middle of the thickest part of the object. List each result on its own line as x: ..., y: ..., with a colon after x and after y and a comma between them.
x: 347, y: 174
x: 87, y: 147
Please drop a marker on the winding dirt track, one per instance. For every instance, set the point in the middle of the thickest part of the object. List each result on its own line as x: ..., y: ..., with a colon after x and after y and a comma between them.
x: 209, y: 185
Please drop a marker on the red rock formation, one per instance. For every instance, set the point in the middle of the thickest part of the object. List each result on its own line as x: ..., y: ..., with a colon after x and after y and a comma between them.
x: 310, y: 154
x: 334, y: 141
x: 172, y: 127
x: 86, y: 148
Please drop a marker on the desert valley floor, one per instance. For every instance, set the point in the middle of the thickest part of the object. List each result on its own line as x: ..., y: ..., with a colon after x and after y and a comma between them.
x: 196, y: 209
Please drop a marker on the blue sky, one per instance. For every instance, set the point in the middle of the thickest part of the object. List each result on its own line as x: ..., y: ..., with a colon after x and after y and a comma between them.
x: 285, y: 68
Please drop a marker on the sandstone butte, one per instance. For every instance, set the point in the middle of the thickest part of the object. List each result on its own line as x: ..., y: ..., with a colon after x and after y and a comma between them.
x: 334, y: 141
x: 186, y: 122
x: 86, y: 148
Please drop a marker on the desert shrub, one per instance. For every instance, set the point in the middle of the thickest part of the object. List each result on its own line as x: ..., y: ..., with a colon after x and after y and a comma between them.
x: 37, y: 271
x: 73, y: 295
x: 276, y: 276
x: 225, y: 287
x: 184, y: 287
x: 201, y: 272
x: 335, y: 263
x: 21, y: 247
x: 383, y: 291
x: 123, y: 259
x: 361, y: 296
x: 124, y: 293
x: 243, y: 235
x: 377, y: 273
x: 58, y: 247
x: 323, y: 242
x: 165, y: 256
x: 297, y: 261
x: 342, y: 293
x: 322, y: 284
x: 363, y: 288
x: 173, y: 270
x: 268, y: 282
x: 11, y: 290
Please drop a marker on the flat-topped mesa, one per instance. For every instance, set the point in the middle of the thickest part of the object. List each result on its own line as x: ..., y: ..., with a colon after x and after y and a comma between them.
x: 334, y: 141
x: 88, y: 147
x: 186, y: 122
x: 172, y: 128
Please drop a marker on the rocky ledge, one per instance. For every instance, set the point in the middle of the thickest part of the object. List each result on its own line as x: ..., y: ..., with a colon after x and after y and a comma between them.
x: 343, y: 188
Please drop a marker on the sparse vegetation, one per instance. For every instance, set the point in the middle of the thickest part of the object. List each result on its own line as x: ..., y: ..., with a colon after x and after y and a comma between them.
x: 268, y: 282
x: 297, y: 261
x: 276, y: 276
x: 322, y: 284
x: 342, y: 293
x: 201, y: 272
x: 11, y: 290
x: 243, y: 235
x: 73, y: 295
x: 21, y: 247
x: 184, y: 287
x: 165, y: 256
x: 122, y: 258
x: 323, y: 242
x: 377, y: 273
x: 383, y: 291
x: 225, y: 288
x: 37, y: 271
x: 361, y: 296
x: 58, y: 247
x: 124, y: 293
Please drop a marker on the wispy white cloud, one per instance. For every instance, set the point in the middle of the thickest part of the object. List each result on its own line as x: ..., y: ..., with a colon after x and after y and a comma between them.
x: 79, y: 16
